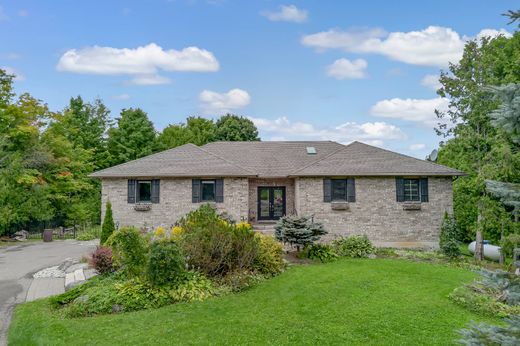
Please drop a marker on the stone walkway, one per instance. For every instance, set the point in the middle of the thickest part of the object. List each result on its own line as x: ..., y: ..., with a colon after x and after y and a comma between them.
x: 58, y: 279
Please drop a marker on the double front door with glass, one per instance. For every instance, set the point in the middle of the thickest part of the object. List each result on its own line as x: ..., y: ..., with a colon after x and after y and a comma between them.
x: 271, y: 202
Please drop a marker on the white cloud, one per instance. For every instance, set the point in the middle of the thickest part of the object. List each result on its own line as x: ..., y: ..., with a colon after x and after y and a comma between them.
x: 149, y: 79
x: 433, y: 46
x: 417, y: 110
x: 121, y: 97
x: 431, y: 81
x: 370, y: 132
x: 142, y: 62
x: 212, y: 102
x: 287, y: 13
x: 18, y: 76
x: 493, y: 33
x: 417, y: 146
x: 347, y: 69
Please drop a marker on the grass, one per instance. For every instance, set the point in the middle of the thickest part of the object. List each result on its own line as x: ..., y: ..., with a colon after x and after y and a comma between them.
x: 355, y: 302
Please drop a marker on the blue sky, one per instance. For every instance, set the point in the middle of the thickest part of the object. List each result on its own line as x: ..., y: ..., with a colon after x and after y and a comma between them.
x: 339, y: 70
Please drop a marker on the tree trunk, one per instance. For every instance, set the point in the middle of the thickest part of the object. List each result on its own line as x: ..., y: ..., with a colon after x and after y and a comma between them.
x: 479, y: 246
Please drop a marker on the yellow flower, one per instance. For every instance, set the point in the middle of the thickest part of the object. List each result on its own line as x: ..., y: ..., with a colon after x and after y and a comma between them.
x: 159, y: 232
x: 243, y: 225
x: 176, y: 231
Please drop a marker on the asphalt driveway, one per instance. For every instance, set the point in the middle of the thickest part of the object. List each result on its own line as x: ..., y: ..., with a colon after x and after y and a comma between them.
x: 19, y: 262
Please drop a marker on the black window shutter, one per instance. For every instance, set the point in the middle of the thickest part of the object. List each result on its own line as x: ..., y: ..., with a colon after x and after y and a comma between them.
x: 327, y: 190
x: 156, y: 186
x: 195, y: 190
x: 399, y: 189
x: 351, y: 190
x: 219, y: 190
x: 424, y: 189
x: 131, y: 190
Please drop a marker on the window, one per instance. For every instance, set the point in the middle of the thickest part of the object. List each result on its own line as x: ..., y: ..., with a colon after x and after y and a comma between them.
x: 339, y: 189
x: 207, y: 190
x: 144, y: 191
x: 411, y: 190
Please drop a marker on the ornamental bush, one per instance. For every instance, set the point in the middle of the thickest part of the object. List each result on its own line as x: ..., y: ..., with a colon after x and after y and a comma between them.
x: 108, y: 226
x: 356, y: 246
x: 448, y: 238
x: 101, y: 260
x: 321, y: 252
x: 165, y: 263
x: 299, y: 231
x: 129, y: 250
x: 487, y: 334
x: 269, y: 257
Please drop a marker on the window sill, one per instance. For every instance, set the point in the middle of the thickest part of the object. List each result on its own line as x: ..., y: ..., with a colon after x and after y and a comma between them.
x: 143, y: 206
x: 338, y: 205
x: 412, y: 205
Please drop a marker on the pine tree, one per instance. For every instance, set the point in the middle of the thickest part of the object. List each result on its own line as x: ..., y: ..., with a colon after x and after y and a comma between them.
x: 507, y: 115
x: 108, y: 224
x: 298, y: 231
x: 486, y: 334
x: 448, y: 238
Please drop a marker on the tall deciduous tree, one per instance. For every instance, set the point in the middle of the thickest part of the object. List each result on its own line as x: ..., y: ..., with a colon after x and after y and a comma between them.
x: 474, y: 145
x: 232, y: 127
x: 132, y: 138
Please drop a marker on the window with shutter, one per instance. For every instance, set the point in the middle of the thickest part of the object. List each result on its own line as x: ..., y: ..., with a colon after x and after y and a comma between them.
x: 207, y: 190
x: 195, y: 191
x: 327, y: 190
x: 340, y: 190
x: 131, y: 191
x: 424, y: 189
x: 156, y: 184
x: 219, y: 190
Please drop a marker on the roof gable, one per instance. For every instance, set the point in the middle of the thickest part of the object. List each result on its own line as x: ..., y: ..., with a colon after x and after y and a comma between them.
x: 359, y: 159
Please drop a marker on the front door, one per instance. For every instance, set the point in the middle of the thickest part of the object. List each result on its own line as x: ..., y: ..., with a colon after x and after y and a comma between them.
x: 271, y: 202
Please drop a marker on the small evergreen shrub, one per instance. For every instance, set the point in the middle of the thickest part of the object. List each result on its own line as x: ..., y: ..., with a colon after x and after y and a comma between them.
x: 129, y: 251
x: 321, y: 252
x: 448, y: 238
x: 108, y: 226
x: 269, y: 258
x: 299, y: 231
x: 165, y: 263
x: 357, y: 246
x: 486, y: 334
x: 101, y: 260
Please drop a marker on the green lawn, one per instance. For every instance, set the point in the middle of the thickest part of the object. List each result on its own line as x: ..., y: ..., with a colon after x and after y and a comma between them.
x: 355, y: 302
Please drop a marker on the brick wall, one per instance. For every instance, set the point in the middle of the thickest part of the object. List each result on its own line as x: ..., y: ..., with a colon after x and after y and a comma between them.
x: 376, y: 212
x: 175, y: 202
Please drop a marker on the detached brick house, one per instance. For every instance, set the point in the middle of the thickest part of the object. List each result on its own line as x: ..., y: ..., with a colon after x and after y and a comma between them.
x: 395, y: 199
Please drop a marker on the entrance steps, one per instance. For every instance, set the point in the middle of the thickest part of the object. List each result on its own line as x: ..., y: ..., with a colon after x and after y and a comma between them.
x: 266, y: 227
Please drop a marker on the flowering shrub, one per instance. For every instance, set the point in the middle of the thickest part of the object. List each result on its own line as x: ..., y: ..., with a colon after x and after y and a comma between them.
x: 129, y: 250
x: 165, y: 263
x: 269, y: 257
x: 353, y: 246
x: 159, y: 232
x: 177, y: 231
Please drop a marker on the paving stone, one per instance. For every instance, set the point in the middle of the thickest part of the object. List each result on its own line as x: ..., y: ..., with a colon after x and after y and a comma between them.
x: 76, y: 266
x: 89, y: 273
x: 69, y: 279
x: 78, y: 275
x: 45, y: 287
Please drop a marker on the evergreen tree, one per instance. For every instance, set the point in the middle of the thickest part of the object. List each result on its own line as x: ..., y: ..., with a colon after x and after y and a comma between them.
x: 133, y: 138
x: 108, y: 226
x: 298, y: 231
x: 448, y: 238
x: 486, y: 334
x: 232, y: 127
x: 507, y: 114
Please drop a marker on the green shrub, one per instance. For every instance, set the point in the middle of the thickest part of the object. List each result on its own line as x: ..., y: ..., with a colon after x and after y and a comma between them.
x: 322, y: 252
x: 165, y: 263
x: 385, y: 252
x: 108, y: 226
x: 201, y: 218
x: 299, y: 231
x: 509, y: 243
x: 114, y: 295
x: 356, y: 246
x: 448, y: 238
x: 269, y: 256
x: 482, y: 303
x: 129, y: 250
x: 486, y: 334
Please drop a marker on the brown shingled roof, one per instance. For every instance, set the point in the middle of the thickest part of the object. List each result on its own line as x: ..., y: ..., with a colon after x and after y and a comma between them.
x: 184, y: 161
x: 276, y: 159
x: 359, y: 159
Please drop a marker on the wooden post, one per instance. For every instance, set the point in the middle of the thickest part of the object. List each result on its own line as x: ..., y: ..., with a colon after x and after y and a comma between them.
x: 479, y: 246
